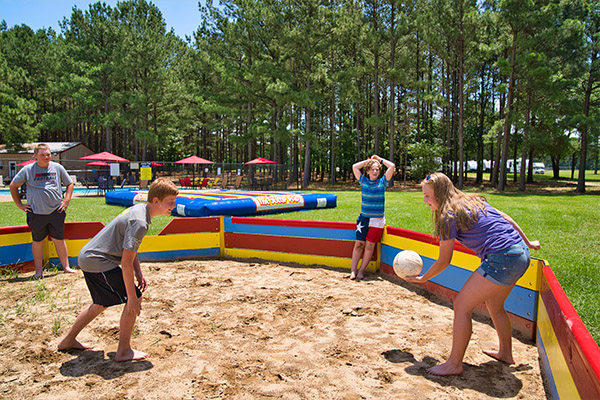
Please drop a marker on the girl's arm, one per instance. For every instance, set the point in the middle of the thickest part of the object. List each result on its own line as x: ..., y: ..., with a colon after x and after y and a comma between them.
x: 444, y: 258
x: 535, y: 245
x: 357, y: 166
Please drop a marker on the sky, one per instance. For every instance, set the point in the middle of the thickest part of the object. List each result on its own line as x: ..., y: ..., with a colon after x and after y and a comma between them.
x: 182, y: 15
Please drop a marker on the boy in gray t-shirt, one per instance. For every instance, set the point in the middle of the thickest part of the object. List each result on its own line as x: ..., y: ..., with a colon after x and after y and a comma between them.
x: 45, y: 208
x: 117, y: 244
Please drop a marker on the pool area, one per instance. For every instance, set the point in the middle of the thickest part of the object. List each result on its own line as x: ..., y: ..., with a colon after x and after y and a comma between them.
x: 78, y: 189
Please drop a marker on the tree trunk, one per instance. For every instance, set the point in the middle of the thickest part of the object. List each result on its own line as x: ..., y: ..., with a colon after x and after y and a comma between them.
x: 461, y: 105
x: 507, y: 120
x: 525, y: 143
x: 584, y: 131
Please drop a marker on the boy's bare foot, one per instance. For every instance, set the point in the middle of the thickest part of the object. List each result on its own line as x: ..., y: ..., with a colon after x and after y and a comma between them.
x: 130, y: 354
x: 497, y: 356
x: 67, y: 344
x: 352, y: 275
x: 445, y: 369
x: 360, y: 277
x: 69, y: 270
x: 37, y: 276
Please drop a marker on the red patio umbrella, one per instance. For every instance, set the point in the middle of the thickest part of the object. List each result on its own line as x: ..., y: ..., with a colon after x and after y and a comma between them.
x: 156, y: 164
x: 104, y: 156
x: 194, y: 160
x: 258, y: 161
x: 98, y: 164
x: 261, y: 160
x: 24, y: 163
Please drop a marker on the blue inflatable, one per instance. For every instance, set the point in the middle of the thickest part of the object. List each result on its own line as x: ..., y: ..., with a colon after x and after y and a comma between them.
x: 204, y: 203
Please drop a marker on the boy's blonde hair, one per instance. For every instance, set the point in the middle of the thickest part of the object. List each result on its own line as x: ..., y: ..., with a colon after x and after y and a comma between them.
x: 40, y: 146
x: 161, y: 188
x: 369, y: 164
x: 454, y: 206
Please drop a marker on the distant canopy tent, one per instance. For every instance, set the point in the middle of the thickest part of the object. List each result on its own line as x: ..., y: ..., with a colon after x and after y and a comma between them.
x: 24, y: 163
x: 194, y: 160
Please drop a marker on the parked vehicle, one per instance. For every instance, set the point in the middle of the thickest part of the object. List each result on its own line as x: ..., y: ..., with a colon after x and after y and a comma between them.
x: 539, y: 168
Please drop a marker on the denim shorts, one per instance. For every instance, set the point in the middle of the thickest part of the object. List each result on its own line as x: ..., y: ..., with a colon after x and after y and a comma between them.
x: 506, y: 266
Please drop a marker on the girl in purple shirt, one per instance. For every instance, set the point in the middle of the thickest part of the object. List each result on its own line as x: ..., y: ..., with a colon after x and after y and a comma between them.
x: 504, y: 251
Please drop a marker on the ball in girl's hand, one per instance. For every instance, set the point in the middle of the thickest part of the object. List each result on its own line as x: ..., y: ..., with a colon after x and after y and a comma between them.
x: 407, y: 263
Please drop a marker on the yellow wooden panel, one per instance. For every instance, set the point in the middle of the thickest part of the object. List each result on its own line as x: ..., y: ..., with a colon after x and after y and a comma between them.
x: 149, y: 243
x: 563, y: 380
x: 73, y: 247
x: 337, y: 262
x: 15, y: 238
x: 183, y: 241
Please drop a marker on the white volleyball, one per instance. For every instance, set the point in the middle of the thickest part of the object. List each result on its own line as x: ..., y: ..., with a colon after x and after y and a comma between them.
x: 407, y: 263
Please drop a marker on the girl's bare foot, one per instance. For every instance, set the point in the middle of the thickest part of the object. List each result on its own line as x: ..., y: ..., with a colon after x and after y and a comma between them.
x: 352, y: 275
x: 130, y: 354
x: 67, y: 344
x: 445, y: 369
x: 360, y: 277
x: 497, y: 356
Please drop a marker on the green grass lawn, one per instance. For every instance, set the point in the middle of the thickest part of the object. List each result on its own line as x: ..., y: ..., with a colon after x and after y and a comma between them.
x: 565, y: 224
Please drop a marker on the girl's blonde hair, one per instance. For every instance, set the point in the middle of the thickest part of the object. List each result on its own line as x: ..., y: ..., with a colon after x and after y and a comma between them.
x: 454, y: 206
x: 161, y: 188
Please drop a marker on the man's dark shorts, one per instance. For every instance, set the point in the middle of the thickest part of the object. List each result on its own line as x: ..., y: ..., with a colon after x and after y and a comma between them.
x: 108, y: 288
x: 44, y: 225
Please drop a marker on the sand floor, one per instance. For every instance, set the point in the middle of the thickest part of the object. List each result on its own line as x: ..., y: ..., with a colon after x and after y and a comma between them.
x: 249, y: 330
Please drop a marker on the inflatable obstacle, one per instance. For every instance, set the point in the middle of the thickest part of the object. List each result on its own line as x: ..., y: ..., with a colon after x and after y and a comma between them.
x: 217, y: 202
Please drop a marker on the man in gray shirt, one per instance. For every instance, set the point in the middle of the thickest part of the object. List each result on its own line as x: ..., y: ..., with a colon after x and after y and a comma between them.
x: 45, y: 208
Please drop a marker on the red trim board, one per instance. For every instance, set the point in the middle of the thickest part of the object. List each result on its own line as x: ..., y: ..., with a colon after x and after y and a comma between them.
x: 192, y: 225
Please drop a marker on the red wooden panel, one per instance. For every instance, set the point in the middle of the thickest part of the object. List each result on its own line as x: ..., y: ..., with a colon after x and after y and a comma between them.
x: 286, y: 244
x: 520, y: 324
x: 192, y: 225
x: 82, y: 230
x: 424, y: 237
x: 6, y: 230
x: 294, y: 223
x: 27, y: 266
x: 581, y: 352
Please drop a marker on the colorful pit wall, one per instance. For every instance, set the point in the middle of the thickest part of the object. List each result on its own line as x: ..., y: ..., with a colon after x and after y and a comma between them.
x: 538, y: 307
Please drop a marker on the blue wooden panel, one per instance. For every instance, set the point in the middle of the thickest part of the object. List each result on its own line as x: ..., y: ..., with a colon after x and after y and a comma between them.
x: 322, y: 233
x: 56, y: 261
x: 14, y: 254
x: 173, y: 254
x: 520, y: 301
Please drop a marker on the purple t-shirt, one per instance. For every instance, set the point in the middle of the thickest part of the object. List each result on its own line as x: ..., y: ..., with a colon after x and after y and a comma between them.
x: 490, y: 234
